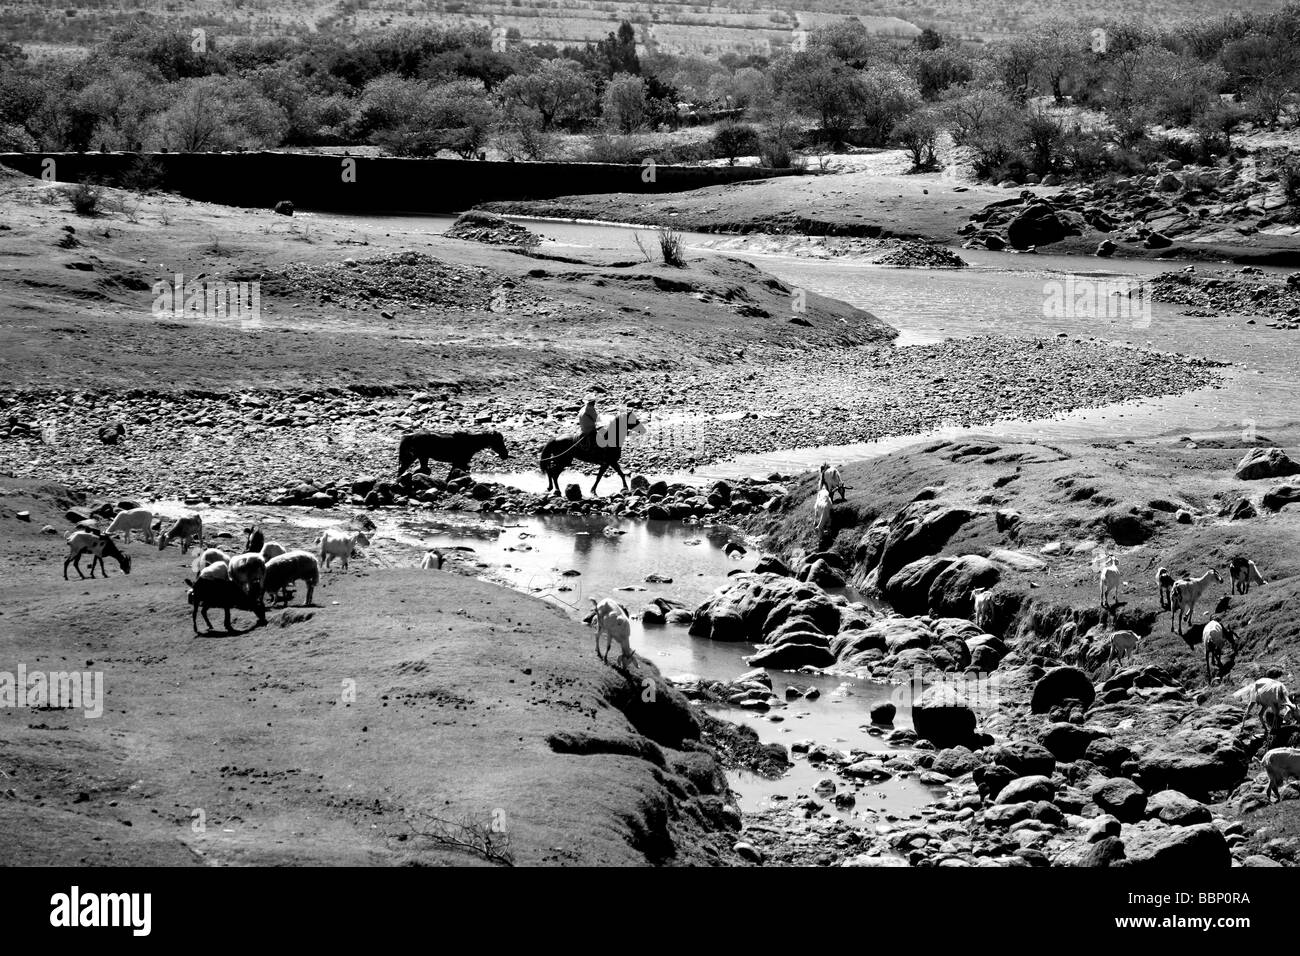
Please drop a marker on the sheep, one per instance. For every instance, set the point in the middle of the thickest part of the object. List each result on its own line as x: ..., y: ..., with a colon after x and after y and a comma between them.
x: 613, y: 622
x: 1280, y: 763
x: 1109, y: 581
x: 432, y: 560
x: 205, y: 593
x: 248, y: 571
x: 336, y: 543
x: 98, y: 546
x: 207, y: 557
x: 831, y: 481
x: 1270, y: 696
x: 289, y: 567
x: 1244, y: 573
x: 216, y: 571
x: 255, y: 539
x: 1184, y: 595
x: 1217, y: 637
x: 983, y: 608
x: 1165, y: 584
x: 273, y: 549
x: 822, y: 513
x: 139, y: 520
x: 1122, y: 644
x: 188, y: 528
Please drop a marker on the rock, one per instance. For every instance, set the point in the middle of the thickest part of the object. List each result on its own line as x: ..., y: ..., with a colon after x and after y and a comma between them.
x: 1037, y: 225
x: 1188, y: 849
x: 1108, y: 851
x: 1067, y: 742
x: 284, y: 207
x: 1006, y: 814
x: 883, y: 713
x: 792, y: 657
x: 951, y: 594
x: 747, y: 851
x: 1108, y: 753
x: 1275, y: 499
x: 652, y: 614
x: 991, y: 778
x: 1194, y: 761
x: 1243, y: 510
x: 1102, y: 827
x: 1121, y: 798
x: 908, y: 591
x: 770, y: 564
x: 954, y: 762
x: 23, y: 516
x: 823, y: 574
x: 942, y: 716
x: 1157, y: 240
x: 1024, y: 758
x: 1106, y: 248
x: 1059, y: 685
x: 1178, y: 809
x: 1032, y: 788
x: 573, y: 492
x: 1265, y: 463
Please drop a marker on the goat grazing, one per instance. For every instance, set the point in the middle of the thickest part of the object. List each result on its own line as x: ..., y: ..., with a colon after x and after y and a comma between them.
x: 1184, y: 595
x: 1165, y: 584
x: 612, y: 621
x: 98, y: 546
x: 1244, y: 573
x: 189, y: 528
x: 1270, y: 696
x: 1280, y: 763
x: 255, y: 539
x: 1217, y: 637
x: 831, y: 481
x: 1122, y: 644
x: 290, y: 567
x: 205, y: 593
x: 822, y: 513
x: 1109, y: 581
x: 139, y: 520
x: 432, y: 560
x: 336, y: 543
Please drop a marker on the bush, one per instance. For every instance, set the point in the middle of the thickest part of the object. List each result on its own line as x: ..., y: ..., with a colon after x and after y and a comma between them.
x: 733, y: 140
x: 85, y: 198
x: 606, y: 148
x: 670, y: 246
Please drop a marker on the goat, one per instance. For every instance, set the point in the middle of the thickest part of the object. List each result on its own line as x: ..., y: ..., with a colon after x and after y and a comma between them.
x: 255, y: 539
x: 336, y: 543
x: 432, y: 560
x: 1184, y: 595
x: 1110, y: 581
x: 205, y: 593
x: 272, y: 549
x: 1165, y: 584
x: 188, y: 528
x: 289, y: 567
x: 1270, y: 696
x: 1217, y: 637
x: 139, y: 520
x: 1244, y: 573
x: 248, y: 571
x: 822, y: 513
x: 831, y: 481
x: 983, y: 608
x: 1122, y: 644
x: 1280, y: 763
x: 209, y: 556
x: 98, y: 546
x: 612, y: 621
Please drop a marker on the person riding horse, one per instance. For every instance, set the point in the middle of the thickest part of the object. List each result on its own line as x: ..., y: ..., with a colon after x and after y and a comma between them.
x: 588, y: 422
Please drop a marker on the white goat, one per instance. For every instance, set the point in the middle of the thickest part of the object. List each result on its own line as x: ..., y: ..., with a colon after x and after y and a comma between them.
x: 983, y: 608
x: 1110, y: 581
x: 273, y: 549
x: 1122, y: 644
x: 139, y: 520
x: 336, y: 543
x: 1280, y: 763
x: 432, y: 560
x: 189, y: 528
x: 1184, y: 595
x: 1243, y: 573
x: 612, y: 621
x: 1216, y: 638
x: 822, y: 513
x: 831, y: 481
x: 1270, y: 696
x: 1165, y: 584
x: 289, y: 567
x: 248, y: 570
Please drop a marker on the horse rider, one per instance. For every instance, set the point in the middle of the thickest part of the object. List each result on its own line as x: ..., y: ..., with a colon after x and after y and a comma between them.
x: 588, y: 422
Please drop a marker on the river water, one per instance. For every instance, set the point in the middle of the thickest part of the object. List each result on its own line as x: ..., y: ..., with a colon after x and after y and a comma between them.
x: 999, y: 294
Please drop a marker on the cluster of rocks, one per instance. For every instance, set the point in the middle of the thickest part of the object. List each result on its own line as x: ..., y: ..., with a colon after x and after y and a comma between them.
x: 1247, y: 292
x: 15, y: 427
x: 1149, y: 211
x: 921, y: 255
x: 492, y: 230
x: 400, y: 282
x: 1258, y: 464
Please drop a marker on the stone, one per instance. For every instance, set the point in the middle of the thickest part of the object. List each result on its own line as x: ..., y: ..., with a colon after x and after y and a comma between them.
x: 1178, y: 809
x: 1024, y: 758
x: 1031, y: 788
x: 747, y: 851
x: 954, y: 762
x: 1121, y: 798
x: 883, y: 713
x: 1106, y: 248
x: 1038, y: 224
x: 942, y: 716
x: 1066, y: 742
x: 792, y: 657
x: 1275, y: 499
x: 1108, y: 851
x: 1059, y: 685
x: 1265, y: 463
x: 1187, y: 849
x: 284, y: 207
x: 1099, y: 828
x: 573, y: 492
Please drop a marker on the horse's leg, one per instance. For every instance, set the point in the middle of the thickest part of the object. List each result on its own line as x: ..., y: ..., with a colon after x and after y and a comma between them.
x: 599, y: 474
x: 619, y: 471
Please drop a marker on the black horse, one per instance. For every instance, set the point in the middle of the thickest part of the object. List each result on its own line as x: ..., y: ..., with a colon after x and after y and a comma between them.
x: 455, y: 448
x: 604, y: 448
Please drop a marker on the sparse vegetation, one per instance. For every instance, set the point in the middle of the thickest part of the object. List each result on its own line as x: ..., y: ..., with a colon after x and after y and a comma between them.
x: 672, y: 248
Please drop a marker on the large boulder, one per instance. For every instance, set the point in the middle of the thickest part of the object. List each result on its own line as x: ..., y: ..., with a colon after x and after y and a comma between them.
x: 1059, y: 685
x: 922, y: 528
x: 1027, y: 789
x: 792, y: 657
x: 1187, y: 849
x: 1266, y: 463
x: 1121, y: 798
x: 1178, y: 809
x: 740, y: 610
x: 1275, y: 499
x: 1196, y: 761
x: 942, y: 716
x: 1067, y: 742
x: 1038, y: 225
x: 1024, y: 758
x: 951, y: 594
x: 908, y: 591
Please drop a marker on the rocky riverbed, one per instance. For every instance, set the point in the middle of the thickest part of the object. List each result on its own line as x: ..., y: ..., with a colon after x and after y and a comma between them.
x: 1246, y: 291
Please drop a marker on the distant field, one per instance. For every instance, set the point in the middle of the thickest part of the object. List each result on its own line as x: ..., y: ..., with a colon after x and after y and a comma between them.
x: 741, y: 26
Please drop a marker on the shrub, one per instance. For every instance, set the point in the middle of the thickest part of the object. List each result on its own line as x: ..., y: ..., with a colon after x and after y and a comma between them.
x: 733, y: 140
x: 670, y: 246
x: 85, y: 198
